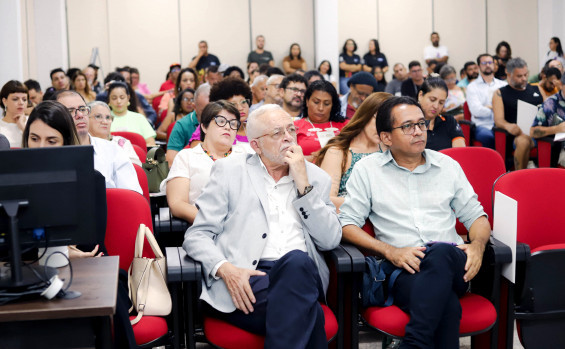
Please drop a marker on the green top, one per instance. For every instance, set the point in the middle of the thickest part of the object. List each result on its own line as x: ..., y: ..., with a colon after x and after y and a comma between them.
x: 354, y: 158
x: 182, y: 131
x: 133, y: 122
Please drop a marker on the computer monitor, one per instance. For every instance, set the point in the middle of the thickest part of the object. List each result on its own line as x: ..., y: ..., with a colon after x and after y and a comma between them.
x: 47, y: 198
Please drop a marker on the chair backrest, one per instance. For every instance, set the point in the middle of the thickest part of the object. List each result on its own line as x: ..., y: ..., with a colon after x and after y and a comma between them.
x: 126, y: 211
x: 134, y: 138
x: 170, y: 129
x: 540, y: 194
x: 482, y: 166
x: 141, y: 153
x: 466, y: 111
x: 143, y: 182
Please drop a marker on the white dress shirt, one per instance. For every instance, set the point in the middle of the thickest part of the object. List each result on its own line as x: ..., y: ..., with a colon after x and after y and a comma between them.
x: 479, y: 96
x: 114, y: 164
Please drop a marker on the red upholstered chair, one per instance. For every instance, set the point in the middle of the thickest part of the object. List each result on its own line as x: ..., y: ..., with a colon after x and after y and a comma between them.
x: 126, y: 210
x: 540, y: 256
x: 170, y: 129
x: 223, y: 335
x: 141, y: 152
x: 482, y: 166
x: 142, y: 178
x: 505, y: 148
x: 134, y: 138
x: 468, y: 127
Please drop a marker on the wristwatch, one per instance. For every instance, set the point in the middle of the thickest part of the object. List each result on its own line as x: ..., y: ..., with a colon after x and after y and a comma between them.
x: 307, y: 189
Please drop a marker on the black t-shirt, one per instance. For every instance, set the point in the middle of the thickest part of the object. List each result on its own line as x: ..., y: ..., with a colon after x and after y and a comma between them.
x: 510, y: 97
x: 259, y: 58
x: 410, y: 89
x: 375, y: 60
x: 206, y: 61
x: 446, y: 129
x: 355, y: 59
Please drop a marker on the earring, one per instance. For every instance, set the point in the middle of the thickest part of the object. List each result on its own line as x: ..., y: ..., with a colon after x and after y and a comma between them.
x: 128, y: 104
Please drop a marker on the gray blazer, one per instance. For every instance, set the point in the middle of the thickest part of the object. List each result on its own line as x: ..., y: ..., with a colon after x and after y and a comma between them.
x: 232, y: 219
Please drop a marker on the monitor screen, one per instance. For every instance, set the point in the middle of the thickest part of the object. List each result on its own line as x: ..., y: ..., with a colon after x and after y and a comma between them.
x: 59, y: 188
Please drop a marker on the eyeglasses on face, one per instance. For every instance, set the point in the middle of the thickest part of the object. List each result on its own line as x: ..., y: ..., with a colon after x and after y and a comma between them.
x: 487, y: 62
x: 100, y: 117
x: 410, y: 128
x: 278, y: 132
x: 296, y: 90
x: 84, y: 111
x: 242, y: 103
x: 186, y: 99
x: 222, y: 121
x: 360, y: 93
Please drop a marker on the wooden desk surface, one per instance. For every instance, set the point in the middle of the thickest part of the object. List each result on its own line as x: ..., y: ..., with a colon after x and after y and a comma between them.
x: 95, y: 278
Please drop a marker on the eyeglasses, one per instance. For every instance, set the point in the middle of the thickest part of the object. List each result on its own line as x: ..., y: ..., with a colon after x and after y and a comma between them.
x: 242, y: 103
x: 222, y: 121
x: 84, y: 110
x: 186, y: 99
x: 278, y: 133
x: 296, y: 90
x: 100, y: 117
x: 487, y: 62
x: 274, y: 84
x: 409, y: 129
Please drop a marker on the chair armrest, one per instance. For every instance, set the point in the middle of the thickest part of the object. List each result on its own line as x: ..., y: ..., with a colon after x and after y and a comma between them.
x: 500, y: 135
x: 357, y: 258
x: 497, y: 252
x: 180, y: 267
x: 522, y: 252
x: 340, y: 259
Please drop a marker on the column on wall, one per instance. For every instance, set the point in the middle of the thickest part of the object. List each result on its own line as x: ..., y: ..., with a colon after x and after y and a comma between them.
x: 11, y: 59
x: 326, y: 44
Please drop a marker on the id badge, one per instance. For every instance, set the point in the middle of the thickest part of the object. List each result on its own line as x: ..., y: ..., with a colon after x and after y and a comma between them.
x: 325, y: 136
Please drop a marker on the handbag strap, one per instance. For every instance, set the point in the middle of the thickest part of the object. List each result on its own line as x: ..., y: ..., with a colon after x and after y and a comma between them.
x: 153, y: 243
x: 155, y: 153
x: 139, y: 239
x: 391, y: 282
x: 143, y: 290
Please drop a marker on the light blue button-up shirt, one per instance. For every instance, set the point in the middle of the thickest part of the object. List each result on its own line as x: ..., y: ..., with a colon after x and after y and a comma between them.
x: 410, y: 208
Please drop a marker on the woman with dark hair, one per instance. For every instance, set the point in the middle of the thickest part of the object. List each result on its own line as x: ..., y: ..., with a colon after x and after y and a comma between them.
x: 349, y: 63
x: 124, y: 119
x: 443, y: 131
x: 49, y: 125
x: 374, y: 58
x: 184, y: 105
x: 80, y: 85
x: 356, y: 140
x: 555, y: 51
x: 294, y: 60
x: 321, y: 119
x: 504, y: 54
x: 13, y: 100
x: 379, y: 75
x: 234, y: 72
x: 252, y: 72
x: 191, y: 168
x: 237, y: 92
x: 325, y: 68
x: 187, y: 78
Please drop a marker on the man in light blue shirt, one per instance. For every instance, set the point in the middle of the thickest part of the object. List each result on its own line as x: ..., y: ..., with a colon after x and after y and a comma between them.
x: 412, y: 196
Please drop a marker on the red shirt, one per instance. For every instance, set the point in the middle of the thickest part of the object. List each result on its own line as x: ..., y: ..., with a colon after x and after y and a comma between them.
x: 307, y: 137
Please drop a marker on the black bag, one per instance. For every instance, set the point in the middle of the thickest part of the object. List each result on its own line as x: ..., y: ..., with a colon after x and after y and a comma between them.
x: 378, y: 280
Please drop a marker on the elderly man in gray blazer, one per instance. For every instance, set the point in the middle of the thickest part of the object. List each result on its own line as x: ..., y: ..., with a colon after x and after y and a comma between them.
x: 262, y: 220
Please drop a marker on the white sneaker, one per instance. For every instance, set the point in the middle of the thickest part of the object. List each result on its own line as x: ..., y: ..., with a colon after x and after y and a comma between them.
x: 531, y: 164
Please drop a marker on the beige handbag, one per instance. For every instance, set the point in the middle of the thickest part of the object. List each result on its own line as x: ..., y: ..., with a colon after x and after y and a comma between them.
x: 147, y: 279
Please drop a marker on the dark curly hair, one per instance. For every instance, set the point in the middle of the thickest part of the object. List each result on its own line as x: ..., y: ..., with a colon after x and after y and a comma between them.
x: 229, y: 87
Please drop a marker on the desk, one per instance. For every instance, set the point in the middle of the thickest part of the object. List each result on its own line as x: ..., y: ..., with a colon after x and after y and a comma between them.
x: 81, y: 322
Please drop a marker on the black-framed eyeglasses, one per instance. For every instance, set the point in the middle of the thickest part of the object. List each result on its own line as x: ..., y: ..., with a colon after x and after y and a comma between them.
x: 222, y: 121
x: 296, y: 90
x: 100, y: 117
x: 84, y: 110
x: 278, y: 133
x: 360, y: 93
x: 410, y: 128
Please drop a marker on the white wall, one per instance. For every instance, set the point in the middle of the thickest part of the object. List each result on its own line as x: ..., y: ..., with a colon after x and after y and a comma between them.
x: 151, y: 35
x: 11, y: 41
